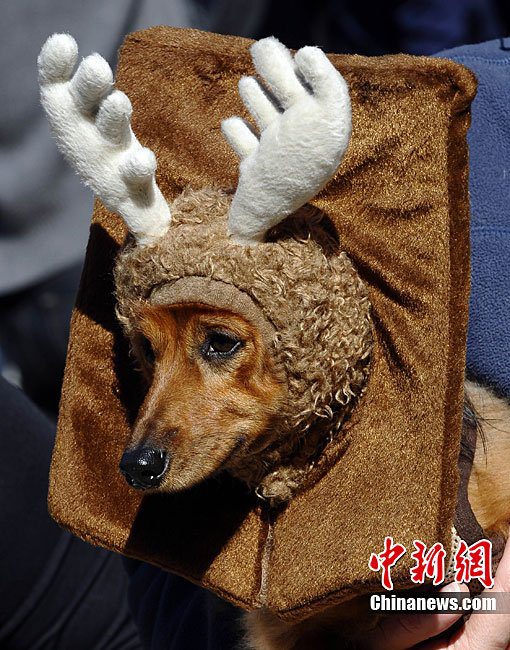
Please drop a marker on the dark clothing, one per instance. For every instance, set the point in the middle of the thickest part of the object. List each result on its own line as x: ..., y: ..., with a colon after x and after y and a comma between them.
x: 34, y: 329
x: 174, y: 614
x: 56, y: 592
x: 370, y: 28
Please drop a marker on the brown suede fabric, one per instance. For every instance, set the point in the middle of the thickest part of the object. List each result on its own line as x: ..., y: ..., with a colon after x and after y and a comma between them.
x: 400, y: 204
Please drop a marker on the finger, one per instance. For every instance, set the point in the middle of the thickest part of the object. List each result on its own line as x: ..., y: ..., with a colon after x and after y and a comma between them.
x: 274, y: 64
x: 113, y: 118
x: 493, y: 631
x: 57, y: 59
x: 240, y: 137
x: 257, y: 102
x: 91, y: 82
x: 319, y: 72
x: 401, y: 632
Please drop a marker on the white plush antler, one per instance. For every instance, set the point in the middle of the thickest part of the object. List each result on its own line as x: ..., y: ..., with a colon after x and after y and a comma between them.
x: 91, y: 123
x: 304, y: 118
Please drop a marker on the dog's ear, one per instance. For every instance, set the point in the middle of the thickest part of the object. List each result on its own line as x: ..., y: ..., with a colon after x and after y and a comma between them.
x: 303, y: 112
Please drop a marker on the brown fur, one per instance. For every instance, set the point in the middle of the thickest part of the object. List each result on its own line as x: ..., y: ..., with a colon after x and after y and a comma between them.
x: 408, y: 238
x: 207, y: 416
x: 198, y: 413
x: 489, y: 485
x: 334, y: 628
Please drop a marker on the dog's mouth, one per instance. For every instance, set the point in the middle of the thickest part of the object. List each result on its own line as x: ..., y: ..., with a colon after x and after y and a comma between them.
x: 147, y: 473
x: 139, y: 486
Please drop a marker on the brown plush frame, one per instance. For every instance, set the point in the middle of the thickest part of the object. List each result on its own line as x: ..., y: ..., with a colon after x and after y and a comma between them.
x: 400, y: 203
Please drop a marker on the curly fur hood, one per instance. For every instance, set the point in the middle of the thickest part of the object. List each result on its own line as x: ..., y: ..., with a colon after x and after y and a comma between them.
x: 306, y: 288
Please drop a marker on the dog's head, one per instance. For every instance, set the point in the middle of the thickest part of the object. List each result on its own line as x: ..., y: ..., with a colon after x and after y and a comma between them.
x: 213, y: 395
x: 252, y: 356
x: 252, y: 327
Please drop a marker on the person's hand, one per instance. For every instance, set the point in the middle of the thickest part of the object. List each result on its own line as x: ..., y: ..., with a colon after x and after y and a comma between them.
x: 482, y: 630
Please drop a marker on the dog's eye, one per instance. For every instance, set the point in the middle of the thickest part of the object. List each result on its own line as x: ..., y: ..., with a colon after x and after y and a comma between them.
x: 219, y: 345
x: 147, y: 351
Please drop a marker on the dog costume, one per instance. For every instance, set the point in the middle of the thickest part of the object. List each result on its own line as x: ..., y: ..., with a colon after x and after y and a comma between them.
x: 359, y: 280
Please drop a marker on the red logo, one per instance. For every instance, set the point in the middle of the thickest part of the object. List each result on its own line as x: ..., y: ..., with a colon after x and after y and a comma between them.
x: 470, y: 562
x: 474, y: 561
x: 428, y: 564
x: 387, y: 559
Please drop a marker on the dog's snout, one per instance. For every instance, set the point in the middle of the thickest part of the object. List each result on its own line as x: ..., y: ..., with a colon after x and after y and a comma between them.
x: 144, y: 467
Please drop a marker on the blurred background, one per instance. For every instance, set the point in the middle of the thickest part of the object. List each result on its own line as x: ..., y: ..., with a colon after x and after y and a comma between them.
x: 44, y: 210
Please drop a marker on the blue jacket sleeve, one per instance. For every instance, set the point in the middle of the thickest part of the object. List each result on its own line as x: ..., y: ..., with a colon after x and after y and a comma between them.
x: 488, y: 351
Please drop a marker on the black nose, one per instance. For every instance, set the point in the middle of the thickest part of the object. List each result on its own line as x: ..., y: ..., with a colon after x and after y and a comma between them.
x: 143, y: 467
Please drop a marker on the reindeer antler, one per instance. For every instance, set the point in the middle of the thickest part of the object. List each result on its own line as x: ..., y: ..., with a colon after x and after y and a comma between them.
x: 305, y: 126
x: 91, y: 123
